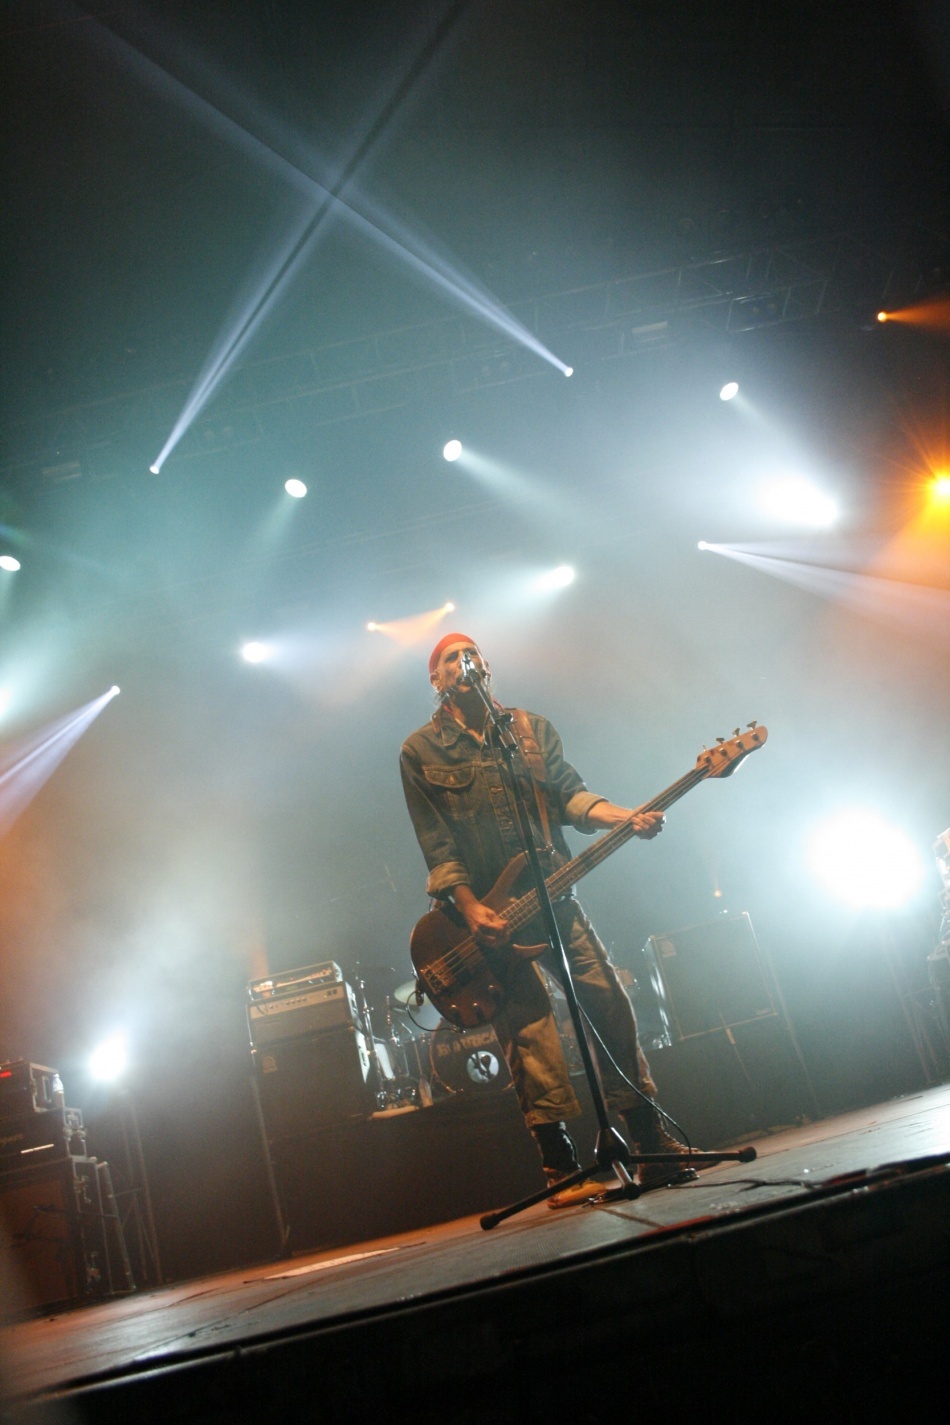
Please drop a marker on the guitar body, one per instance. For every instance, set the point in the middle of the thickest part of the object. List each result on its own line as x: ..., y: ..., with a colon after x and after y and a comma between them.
x: 466, y: 983
x: 468, y: 992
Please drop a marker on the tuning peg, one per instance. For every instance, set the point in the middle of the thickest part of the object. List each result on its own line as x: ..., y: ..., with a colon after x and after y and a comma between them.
x: 720, y: 740
x: 752, y: 726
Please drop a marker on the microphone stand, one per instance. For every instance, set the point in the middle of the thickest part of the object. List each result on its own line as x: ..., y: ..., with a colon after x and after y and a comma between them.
x: 611, y: 1152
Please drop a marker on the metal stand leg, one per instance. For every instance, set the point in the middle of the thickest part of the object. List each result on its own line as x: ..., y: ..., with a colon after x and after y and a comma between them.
x: 283, y: 1230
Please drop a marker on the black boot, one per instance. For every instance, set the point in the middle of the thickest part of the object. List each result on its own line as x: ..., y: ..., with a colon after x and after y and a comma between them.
x: 648, y: 1135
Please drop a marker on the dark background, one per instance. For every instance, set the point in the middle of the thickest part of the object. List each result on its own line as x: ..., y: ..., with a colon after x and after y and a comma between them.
x: 218, y: 820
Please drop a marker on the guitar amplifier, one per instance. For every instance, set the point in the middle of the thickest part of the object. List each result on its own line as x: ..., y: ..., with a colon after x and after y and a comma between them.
x: 41, y: 1138
x: 28, y: 1089
x: 295, y: 982
x: 313, y: 1011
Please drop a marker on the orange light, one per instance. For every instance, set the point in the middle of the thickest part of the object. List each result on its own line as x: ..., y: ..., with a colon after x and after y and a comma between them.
x: 941, y: 487
x: 935, y: 315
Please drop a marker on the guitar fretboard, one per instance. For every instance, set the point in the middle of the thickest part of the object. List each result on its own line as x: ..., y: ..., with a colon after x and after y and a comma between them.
x: 559, y: 883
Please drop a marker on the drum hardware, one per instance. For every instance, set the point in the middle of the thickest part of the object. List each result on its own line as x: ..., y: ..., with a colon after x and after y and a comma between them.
x: 399, y: 1086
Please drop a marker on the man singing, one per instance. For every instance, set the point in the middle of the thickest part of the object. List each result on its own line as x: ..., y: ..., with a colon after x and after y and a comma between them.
x: 466, y: 824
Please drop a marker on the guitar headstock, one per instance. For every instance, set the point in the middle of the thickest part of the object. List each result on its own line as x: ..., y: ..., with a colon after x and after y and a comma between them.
x: 723, y: 759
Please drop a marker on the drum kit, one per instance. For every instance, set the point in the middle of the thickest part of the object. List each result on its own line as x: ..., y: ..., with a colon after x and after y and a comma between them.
x: 419, y: 1058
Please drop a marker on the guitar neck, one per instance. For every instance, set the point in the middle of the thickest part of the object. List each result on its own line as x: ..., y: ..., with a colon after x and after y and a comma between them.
x: 558, y: 884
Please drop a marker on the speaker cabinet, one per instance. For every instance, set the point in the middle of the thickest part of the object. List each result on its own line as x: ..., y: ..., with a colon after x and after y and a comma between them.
x: 732, y: 1082
x: 50, y: 1221
x: 710, y: 976
x: 313, y: 1082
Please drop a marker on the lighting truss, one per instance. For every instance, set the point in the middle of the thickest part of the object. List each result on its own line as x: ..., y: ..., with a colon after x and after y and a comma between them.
x: 609, y: 321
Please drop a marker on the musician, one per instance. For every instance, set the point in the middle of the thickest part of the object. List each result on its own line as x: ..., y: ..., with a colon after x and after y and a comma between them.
x: 461, y: 808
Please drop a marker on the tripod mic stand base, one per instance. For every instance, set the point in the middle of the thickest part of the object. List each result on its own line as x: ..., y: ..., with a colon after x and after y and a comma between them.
x: 626, y: 1188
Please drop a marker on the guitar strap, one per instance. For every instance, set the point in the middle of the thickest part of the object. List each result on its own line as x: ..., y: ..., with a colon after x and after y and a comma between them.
x: 531, y: 756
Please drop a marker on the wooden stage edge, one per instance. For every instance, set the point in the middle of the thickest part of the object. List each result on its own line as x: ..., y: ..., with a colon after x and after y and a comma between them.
x: 815, y: 1277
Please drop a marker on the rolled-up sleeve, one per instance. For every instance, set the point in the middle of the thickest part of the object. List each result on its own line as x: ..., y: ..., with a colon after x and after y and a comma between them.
x: 434, y: 834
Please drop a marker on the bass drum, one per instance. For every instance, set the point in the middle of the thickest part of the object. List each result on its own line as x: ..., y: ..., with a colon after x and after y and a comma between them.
x: 468, y: 1060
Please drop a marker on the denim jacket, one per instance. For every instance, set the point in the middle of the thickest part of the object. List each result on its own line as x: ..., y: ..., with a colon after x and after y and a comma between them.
x: 462, y: 810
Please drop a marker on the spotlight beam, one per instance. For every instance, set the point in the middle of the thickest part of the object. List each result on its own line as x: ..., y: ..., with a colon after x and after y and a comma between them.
x: 28, y: 765
x: 326, y: 201
x: 926, y: 608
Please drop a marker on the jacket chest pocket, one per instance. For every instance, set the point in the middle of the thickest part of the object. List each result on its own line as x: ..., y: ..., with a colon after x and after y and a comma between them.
x: 455, y: 788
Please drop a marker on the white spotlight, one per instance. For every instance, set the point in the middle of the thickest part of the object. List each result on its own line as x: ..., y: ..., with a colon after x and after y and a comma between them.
x: 255, y: 652
x: 558, y: 578
x: 114, y: 691
x: 110, y: 1059
x: 7, y: 561
x: 452, y: 449
x: 155, y: 469
x: 730, y: 389
x: 798, y: 501
x: 568, y: 371
x: 296, y: 488
x: 865, y: 861
x: 702, y: 544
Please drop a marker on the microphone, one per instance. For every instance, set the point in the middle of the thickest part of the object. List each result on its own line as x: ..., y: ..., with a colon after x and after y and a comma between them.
x: 470, y: 671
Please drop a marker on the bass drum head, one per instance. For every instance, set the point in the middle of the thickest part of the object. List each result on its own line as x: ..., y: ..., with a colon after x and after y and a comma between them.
x: 468, y: 1060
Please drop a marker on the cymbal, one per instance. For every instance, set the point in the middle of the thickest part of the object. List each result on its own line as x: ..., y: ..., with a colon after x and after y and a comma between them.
x: 404, y: 994
x: 420, y: 1010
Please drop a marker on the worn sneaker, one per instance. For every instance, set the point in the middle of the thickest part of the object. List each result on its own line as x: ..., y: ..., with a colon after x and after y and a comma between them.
x: 584, y: 1191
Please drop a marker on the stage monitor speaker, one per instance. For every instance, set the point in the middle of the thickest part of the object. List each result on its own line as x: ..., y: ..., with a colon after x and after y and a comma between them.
x: 312, y: 1082
x: 712, y: 976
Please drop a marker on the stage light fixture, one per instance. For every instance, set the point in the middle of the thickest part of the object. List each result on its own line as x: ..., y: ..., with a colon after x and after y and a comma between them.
x: 448, y: 608
x: 728, y: 391
x: 110, y: 1059
x: 452, y: 450
x: 568, y: 371
x: 254, y: 652
x: 372, y: 627
x: 558, y: 578
x: 7, y: 561
x: 155, y: 469
x: 865, y: 861
x: 296, y: 488
x: 941, y: 487
x: 883, y: 316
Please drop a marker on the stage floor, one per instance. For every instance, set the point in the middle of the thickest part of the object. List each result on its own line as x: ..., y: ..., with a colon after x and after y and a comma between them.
x: 840, y: 1205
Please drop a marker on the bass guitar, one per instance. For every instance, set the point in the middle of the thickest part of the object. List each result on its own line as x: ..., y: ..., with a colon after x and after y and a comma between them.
x: 467, y: 982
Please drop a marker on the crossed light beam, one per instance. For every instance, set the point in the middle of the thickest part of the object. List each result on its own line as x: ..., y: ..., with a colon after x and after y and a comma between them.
x: 29, y: 763
x: 324, y: 201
